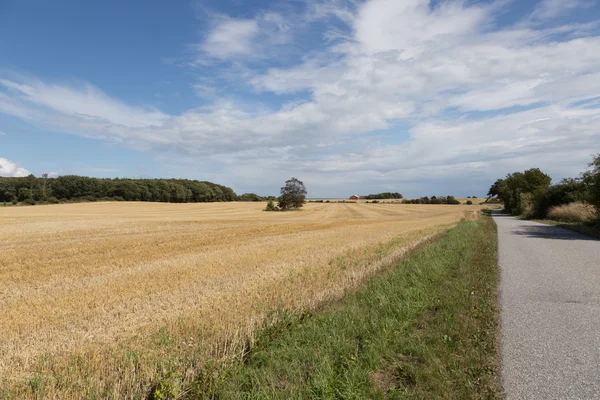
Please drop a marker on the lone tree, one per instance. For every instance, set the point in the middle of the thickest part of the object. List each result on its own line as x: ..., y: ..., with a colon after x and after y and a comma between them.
x: 293, y: 194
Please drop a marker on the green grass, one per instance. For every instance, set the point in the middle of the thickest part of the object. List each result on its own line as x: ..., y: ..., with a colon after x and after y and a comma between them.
x: 424, y: 329
x: 586, y: 229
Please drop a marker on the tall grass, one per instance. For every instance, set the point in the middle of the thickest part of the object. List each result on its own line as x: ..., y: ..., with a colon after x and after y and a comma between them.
x: 426, y: 329
x: 573, y: 212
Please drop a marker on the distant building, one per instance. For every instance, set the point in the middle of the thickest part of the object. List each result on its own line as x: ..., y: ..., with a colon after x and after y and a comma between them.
x: 354, y: 197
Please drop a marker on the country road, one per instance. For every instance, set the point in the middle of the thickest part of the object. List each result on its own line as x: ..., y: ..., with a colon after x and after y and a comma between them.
x: 550, y: 311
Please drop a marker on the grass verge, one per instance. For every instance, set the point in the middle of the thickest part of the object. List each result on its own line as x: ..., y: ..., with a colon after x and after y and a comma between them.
x: 586, y: 229
x: 424, y: 329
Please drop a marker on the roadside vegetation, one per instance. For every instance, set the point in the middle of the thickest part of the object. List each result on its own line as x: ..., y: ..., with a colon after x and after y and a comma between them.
x: 424, y: 329
x: 573, y: 203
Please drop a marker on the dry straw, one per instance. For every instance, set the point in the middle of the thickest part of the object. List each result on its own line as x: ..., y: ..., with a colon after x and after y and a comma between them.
x: 103, y: 299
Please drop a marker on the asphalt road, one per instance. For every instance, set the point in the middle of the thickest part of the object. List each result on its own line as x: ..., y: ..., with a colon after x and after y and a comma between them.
x: 550, y: 311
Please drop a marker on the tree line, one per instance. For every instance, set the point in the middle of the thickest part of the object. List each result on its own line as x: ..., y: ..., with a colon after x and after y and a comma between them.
x: 432, y: 200
x: 383, y: 196
x: 532, y: 194
x: 31, y: 189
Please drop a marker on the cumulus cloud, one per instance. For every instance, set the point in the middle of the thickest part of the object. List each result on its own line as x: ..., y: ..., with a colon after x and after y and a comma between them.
x: 406, y: 93
x: 11, y: 169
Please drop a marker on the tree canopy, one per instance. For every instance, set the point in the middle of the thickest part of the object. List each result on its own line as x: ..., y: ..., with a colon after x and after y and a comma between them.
x: 519, y: 186
x: 531, y: 194
x: 74, y: 187
x: 293, y: 194
x: 385, y: 195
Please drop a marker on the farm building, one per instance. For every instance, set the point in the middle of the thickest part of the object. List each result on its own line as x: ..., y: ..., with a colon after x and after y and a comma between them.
x: 354, y: 197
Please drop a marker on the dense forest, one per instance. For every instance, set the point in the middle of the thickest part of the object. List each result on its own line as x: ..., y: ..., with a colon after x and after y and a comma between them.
x: 30, y: 190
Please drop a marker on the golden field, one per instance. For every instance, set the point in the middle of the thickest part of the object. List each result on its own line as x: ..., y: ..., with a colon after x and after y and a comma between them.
x: 105, y: 299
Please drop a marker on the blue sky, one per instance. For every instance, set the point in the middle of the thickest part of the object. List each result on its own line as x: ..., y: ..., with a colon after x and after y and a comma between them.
x: 421, y: 97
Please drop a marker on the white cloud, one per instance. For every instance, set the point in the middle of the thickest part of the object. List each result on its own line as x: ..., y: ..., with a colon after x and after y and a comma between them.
x: 234, y: 38
x: 231, y: 38
x: 10, y: 169
x: 410, y: 26
x: 87, y: 103
x: 428, y: 81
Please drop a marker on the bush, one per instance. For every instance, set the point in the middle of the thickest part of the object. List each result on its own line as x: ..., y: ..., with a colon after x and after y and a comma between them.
x: 118, y: 198
x: 271, y: 206
x: 29, y: 202
x: 525, y: 207
x: 469, y: 202
x: 452, y: 200
x: 573, y: 212
x: 52, y: 200
x: 14, y: 202
x: 250, y: 197
x: 568, y: 191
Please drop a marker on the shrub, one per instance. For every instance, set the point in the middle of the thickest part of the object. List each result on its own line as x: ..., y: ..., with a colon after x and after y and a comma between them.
x: 573, y: 212
x: 250, y: 197
x: 525, y: 205
x: 469, y: 202
x: 14, y: 202
x: 118, y: 198
x: 29, y: 202
x: 452, y: 200
x: 568, y: 191
x: 52, y: 200
x: 271, y: 206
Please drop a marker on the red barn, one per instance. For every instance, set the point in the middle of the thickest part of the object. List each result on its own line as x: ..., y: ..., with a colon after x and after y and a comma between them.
x: 354, y: 197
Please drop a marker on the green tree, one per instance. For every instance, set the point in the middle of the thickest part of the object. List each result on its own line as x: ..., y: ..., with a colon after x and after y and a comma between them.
x: 7, y: 189
x: 25, y: 194
x: 43, y: 187
x: 293, y: 194
x: 250, y: 197
x: 591, y: 179
x: 567, y: 191
x: 518, y: 189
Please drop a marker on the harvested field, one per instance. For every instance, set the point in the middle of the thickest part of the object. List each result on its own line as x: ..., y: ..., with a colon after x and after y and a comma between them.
x: 105, y: 299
